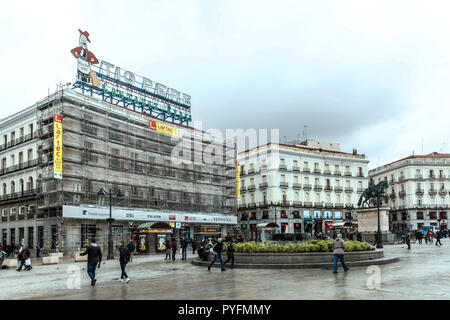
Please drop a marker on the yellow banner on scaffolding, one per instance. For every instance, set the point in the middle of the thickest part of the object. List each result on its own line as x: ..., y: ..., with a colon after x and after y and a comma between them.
x: 238, y: 180
x: 164, y: 128
x: 57, y: 146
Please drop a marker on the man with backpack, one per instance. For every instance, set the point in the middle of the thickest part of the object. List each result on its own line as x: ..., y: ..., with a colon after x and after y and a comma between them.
x: 124, y: 259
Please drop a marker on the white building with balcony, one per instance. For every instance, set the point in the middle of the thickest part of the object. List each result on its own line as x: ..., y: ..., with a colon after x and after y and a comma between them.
x: 418, y: 190
x: 303, y: 188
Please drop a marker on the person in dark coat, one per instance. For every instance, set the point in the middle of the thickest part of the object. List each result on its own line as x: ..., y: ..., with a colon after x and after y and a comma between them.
x: 23, y: 256
x: 38, y: 250
x: 218, y: 247
x: 94, y: 254
x: 174, y: 248
x: 184, y: 245
x: 125, y: 256
x: 167, y: 249
x: 131, y: 248
x: 230, y: 253
x: 359, y: 236
x: 193, y: 246
x: 407, y: 239
x: 438, y: 238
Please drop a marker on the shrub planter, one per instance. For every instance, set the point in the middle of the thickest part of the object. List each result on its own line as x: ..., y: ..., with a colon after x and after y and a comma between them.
x: 309, y: 260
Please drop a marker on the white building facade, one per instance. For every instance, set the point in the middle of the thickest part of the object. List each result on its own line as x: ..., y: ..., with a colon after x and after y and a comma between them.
x: 302, y: 188
x: 418, y: 191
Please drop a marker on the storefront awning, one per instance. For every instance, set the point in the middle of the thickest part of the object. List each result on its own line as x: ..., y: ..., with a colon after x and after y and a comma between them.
x: 328, y: 224
x: 154, y: 225
x: 267, y: 225
x: 338, y: 224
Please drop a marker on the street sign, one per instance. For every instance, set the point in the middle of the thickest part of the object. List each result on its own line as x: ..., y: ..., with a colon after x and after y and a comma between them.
x: 178, y: 225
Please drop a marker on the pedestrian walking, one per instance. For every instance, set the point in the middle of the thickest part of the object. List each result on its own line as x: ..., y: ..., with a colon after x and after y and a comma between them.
x: 230, y: 253
x: 218, y: 254
x: 184, y: 245
x: 38, y: 250
x: 193, y: 246
x: 94, y: 254
x: 131, y: 247
x: 438, y: 238
x: 359, y: 236
x: 168, y: 254
x: 407, y: 239
x: 338, y: 253
x: 23, y: 256
x: 174, y: 248
x: 125, y: 257
x: 430, y: 238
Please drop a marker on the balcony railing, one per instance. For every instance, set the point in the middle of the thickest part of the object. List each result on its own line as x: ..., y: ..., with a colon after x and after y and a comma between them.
x: 317, y: 171
x: 402, y: 193
x: 442, y: 192
x: 432, y: 176
x: 402, y: 178
x: 296, y: 185
x: 348, y: 174
x: 20, y: 166
x: 306, y: 170
x: 419, y: 191
x: 348, y: 189
x: 251, y: 170
x: 360, y: 190
x: 307, y: 187
x: 318, y: 187
x: 432, y: 192
x: 20, y: 194
x: 297, y: 203
x: 339, y: 205
x: 442, y: 177
x: 308, y: 204
x: 251, y: 187
x: 296, y: 168
x: 318, y: 204
x: 338, y: 189
x: 263, y: 185
x: 283, y: 167
x: 284, y: 184
x: 337, y: 173
x: 419, y: 176
x: 328, y: 205
x: 328, y: 188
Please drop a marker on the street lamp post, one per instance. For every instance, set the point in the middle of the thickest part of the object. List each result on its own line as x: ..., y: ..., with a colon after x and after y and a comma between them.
x: 379, y: 235
x: 102, y: 192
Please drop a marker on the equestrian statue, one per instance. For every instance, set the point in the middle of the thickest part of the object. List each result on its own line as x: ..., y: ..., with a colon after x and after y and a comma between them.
x: 373, y: 192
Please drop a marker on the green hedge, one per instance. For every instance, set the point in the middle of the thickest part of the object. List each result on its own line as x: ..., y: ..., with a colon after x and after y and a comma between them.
x: 309, y: 246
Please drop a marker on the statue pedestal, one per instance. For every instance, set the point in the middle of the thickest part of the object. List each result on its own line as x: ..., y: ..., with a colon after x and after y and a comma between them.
x: 368, y: 224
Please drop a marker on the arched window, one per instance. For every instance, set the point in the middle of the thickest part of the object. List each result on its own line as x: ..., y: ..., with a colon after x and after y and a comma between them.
x: 30, y: 185
x: 21, y: 186
x: 13, y: 187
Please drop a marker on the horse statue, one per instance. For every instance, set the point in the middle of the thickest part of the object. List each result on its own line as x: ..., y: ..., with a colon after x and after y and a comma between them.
x: 371, y: 192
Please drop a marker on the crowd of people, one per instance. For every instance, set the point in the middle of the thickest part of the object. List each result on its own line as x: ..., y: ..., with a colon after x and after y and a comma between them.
x: 352, y: 234
x: 22, y: 253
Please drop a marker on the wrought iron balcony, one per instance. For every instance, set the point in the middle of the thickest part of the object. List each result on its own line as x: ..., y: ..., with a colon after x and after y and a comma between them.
x: 284, y: 184
x: 307, y: 187
x: 251, y: 187
x: 348, y: 174
x: 328, y: 188
x: 263, y: 185
x: 297, y: 203
x: 318, y: 187
x: 251, y: 170
x: 402, y: 178
x: 419, y: 176
x: 360, y: 190
x: 392, y: 195
x: 296, y: 168
x: 442, y: 192
x: 307, y: 204
x: 348, y: 189
x: 328, y: 205
x: 419, y: 191
x: 339, y: 205
x: 306, y: 170
x: 317, y: 171
x: 432, y: 192
x: 327, y: 172
x: 338, y: 189
x: 402, y: 193
x: 283, y: 167
x: 296, y: 185
x: 318, y: 204
x: 442, y: 177
x: 337, y: 173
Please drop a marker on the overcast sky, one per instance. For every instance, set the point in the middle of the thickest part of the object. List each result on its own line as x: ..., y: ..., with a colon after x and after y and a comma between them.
x: 372, y: 75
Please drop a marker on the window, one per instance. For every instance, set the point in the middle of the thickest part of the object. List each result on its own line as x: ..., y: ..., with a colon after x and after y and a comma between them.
x: 307, y: 214
x: 419, y: 215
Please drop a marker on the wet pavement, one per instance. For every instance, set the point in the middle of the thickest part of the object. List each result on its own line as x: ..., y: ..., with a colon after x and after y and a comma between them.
x: 422, y: 273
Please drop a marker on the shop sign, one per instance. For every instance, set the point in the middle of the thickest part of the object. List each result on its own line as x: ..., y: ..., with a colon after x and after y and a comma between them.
x: 115, y: 85
x: 57, y: 146
x: 209, y: 230
x: 102, y: 213
x: 238, y: 180
x: 155, y: 231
